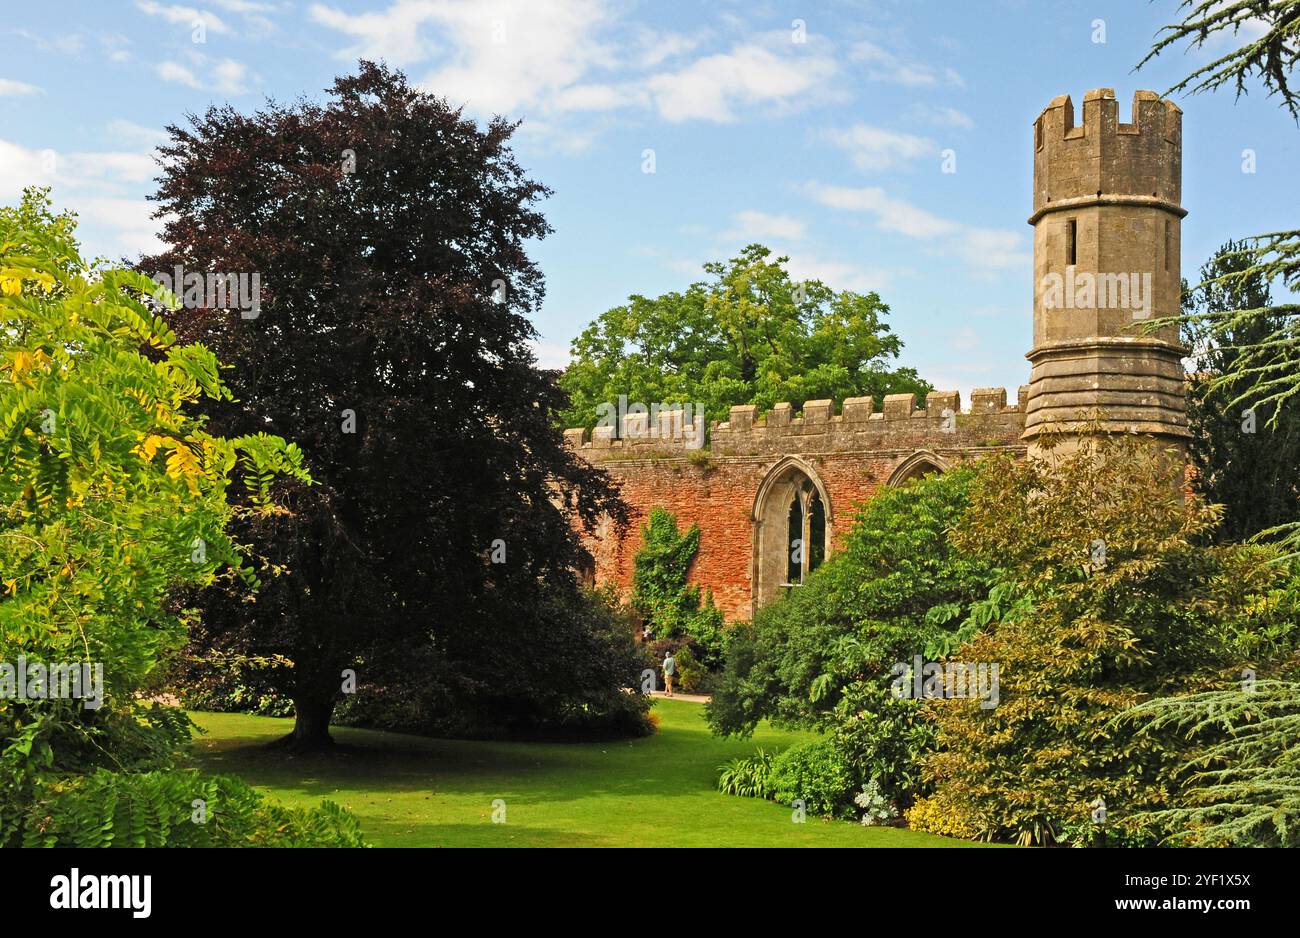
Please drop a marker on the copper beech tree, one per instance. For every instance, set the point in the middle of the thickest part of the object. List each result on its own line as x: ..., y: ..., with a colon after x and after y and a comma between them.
x: 391, y: 341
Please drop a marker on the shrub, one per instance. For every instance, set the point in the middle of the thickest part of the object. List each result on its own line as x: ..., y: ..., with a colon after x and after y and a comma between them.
x: 884, y: 739
x: 569, y: 678
x: 692, y: 677
x: 113, y: 493
x: 207, y: 679
x: 865, y: 608
x: 1153, y: 610
x: 933, y: 817
x: 877, y: 808
x: 817, y: 773
x: 748, y: 777
x: 820, y: 657
x: 169, y: 809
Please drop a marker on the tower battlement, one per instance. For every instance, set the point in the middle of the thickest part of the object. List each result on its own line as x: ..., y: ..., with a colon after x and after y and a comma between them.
x: 1101, y: 159
x: 1107, y: 229
x: 903, y: 423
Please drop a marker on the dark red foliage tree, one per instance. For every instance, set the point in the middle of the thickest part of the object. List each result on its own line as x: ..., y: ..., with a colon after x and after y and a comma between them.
x: 392, y: 344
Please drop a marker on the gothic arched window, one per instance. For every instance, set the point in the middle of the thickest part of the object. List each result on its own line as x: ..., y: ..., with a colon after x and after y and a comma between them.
x: 792, y: 530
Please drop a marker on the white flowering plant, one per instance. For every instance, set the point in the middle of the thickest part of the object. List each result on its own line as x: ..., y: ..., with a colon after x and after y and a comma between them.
x: 876, y: 808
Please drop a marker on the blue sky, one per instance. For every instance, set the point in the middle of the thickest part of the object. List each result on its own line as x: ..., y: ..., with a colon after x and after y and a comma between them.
x: 823, y: 142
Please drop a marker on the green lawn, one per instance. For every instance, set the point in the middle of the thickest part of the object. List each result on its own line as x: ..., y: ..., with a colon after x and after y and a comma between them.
x: 410, y: 791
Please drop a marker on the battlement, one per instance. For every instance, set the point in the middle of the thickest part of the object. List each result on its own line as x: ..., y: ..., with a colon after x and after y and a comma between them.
x: 1102, y: 160
x: 900, y: 424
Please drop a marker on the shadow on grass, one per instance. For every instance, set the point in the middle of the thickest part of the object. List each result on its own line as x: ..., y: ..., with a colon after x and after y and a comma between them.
x: 418, y: 791
x: 423, y: 836
x: 682, y: 761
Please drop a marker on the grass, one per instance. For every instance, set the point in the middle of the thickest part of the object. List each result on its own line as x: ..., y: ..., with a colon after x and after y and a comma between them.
x: 409, y: 791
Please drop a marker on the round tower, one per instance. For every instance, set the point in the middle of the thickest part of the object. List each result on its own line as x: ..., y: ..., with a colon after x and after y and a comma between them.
x: 1106, y: 261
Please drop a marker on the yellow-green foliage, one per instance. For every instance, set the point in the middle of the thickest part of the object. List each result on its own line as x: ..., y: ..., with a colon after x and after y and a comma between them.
x: 931, y: 817
x: 112, y: 494
x: 1128, y: 602
x: 111, y: 491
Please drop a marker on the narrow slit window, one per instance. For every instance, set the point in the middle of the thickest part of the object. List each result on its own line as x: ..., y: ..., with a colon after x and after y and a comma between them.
x: 816, y: 531
x: 794, y: 554
x: 1071, y: 242
x: 1169, y: 244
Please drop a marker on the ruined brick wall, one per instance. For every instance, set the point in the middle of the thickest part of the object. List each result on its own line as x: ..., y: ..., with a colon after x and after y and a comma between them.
x: 1106, y: 205
x: 850, y: 456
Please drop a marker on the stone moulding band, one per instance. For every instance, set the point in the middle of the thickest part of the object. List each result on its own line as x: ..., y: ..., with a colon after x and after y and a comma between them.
x: 1090, y: 201
x: 1144, y: 343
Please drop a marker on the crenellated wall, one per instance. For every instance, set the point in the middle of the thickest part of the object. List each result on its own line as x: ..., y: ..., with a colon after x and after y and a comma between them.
x: 849, y: 456
x: 1106, y: 215
x: 857, y: 428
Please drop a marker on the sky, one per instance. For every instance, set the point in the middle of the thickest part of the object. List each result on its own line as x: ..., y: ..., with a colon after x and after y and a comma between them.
x: 674, y: 133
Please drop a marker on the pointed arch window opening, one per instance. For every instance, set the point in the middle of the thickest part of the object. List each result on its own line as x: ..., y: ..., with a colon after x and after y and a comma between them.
x: 807, y: 534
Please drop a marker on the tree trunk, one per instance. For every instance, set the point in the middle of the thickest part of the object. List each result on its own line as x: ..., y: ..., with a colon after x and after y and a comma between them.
x: 311, y: 727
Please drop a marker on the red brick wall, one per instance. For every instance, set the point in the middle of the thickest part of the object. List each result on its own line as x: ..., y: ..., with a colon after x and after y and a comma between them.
x: 852, y: 454
x: 720, y: 499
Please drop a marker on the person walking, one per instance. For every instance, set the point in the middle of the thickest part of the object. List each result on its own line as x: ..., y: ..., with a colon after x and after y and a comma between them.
x: 670, y: 668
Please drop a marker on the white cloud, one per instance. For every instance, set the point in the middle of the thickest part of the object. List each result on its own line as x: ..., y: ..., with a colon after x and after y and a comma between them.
x: 498, y: 56
x: 562, y: 137
x: 653, y: 48
x: 785, y: 236
x: 229, y: 77
x: 114, y: 166
x: 66, y: 43
x: 750, y: 226
x: 537, y: 58
x: 994, y: 249
x: 21, y: 167
x: 114, y: 46
x: 712, y: 87
x: 985, y: 250
x: 551, y: 354
x: 188, y: 17
x: 134, y: 232
x: 179, y: 74
x: 245, y: 7
x: 943, y: 117
x: 884, y: 65
x: 841, y: 275
x: 223, y: 77
x: 393, y: 35
x: 802, y: 264
x: 874, y: 148
x: 891, y: 214
x: 594, y: 97
x: 99, y: 186
x: 9, y: 87
x: 135, y: 135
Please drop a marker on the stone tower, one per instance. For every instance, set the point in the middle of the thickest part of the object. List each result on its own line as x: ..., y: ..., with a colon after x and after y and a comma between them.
x: 1106, y: 259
